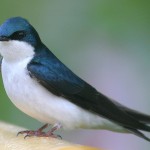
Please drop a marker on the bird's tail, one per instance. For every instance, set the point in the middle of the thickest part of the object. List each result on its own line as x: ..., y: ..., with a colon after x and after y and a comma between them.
x: 138, y: 115
x: 138, y: 133
x: 142, y: 118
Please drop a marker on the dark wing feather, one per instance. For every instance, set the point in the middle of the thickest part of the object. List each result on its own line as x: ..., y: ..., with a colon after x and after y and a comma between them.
x: 59, y: 80
x: 135, y: 114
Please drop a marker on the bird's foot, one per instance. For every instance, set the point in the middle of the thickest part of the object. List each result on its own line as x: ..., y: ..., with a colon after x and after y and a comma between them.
x: 50, y: 133
x: 40, y: 133
x: 30, y: 133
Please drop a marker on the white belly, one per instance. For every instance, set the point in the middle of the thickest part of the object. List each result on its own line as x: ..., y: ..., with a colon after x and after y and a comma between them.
x: 33, y: 99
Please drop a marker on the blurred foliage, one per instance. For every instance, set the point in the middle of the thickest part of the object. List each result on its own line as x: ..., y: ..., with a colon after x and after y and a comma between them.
x: 105, y: 42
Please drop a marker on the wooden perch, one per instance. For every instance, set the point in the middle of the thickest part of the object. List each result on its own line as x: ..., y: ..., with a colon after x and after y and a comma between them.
x: 9, y: 141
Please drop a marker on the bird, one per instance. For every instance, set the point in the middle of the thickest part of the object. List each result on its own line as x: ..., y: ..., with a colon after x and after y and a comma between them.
x: 41, y: 86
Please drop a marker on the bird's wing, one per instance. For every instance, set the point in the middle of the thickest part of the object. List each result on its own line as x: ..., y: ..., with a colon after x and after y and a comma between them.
x: 59, y: 80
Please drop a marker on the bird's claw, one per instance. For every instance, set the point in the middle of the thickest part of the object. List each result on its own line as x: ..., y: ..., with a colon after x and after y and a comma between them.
x: 40, y: 133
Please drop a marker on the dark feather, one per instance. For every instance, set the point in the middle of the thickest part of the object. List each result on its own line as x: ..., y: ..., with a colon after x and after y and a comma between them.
x: 61, y: 81
x: 138, y: 133
x: 135, y: 114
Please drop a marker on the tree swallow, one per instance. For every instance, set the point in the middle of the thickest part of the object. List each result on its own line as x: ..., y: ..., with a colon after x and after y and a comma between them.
x: 40, y: 85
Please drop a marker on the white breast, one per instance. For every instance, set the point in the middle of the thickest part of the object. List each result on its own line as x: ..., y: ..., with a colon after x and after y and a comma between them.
x: 33, y: 99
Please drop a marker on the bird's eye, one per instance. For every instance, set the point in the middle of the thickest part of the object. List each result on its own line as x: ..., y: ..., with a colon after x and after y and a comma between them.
x: 18, y: 35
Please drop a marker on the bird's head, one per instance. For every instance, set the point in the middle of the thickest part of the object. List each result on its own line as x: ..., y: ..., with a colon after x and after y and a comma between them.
x: 18, y: 39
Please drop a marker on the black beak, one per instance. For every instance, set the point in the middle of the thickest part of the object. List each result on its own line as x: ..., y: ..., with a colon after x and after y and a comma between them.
x: 4, y: 38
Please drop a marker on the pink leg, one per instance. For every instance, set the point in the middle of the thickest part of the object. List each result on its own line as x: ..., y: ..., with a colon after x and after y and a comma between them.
x: 40, y: 133
x: 50, y: 133
x: 34, y: 133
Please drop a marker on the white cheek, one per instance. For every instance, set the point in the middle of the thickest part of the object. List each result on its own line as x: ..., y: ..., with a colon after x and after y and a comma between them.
x: 15, y: 50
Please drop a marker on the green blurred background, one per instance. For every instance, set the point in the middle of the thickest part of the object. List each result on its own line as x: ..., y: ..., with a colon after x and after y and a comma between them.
x: 107, y: 43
